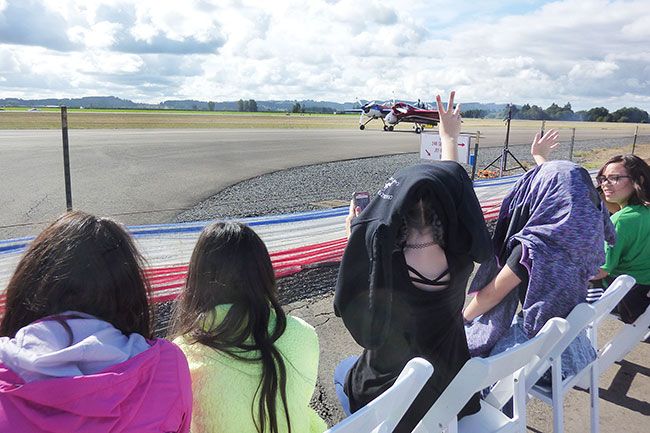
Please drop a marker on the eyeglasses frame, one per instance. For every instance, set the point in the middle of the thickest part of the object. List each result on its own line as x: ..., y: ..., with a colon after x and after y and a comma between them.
x: 612, y: 179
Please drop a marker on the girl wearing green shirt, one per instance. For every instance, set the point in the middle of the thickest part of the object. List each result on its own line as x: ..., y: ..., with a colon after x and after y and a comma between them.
x: 625, y: 182
x: 253, y: 367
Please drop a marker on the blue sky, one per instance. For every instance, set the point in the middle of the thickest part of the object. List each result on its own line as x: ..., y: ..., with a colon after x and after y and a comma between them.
x: 587, y: 52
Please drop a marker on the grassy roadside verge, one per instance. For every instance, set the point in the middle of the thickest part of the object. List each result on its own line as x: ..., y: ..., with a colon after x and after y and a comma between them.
x: 596, y: 158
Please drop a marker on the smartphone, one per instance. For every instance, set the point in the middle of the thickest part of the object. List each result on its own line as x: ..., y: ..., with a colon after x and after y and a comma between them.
x: 361, y: 199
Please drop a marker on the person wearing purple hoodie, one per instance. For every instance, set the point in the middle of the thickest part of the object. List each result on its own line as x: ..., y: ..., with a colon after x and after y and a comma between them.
x: 548, y: 244
x: 76, y: 352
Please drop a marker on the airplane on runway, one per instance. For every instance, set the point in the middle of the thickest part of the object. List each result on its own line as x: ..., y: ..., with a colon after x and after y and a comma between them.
x: 392, y: 113
x: 403, y: 112
x: 372, y: 111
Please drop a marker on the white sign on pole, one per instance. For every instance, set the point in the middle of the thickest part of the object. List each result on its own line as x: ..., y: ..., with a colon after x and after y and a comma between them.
x: 431, y: 147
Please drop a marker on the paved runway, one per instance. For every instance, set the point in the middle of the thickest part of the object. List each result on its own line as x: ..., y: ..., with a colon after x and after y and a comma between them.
x: 150, y: 174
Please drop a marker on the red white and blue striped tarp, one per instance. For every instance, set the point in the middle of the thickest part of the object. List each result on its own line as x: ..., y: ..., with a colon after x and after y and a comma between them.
x: 294, y: 241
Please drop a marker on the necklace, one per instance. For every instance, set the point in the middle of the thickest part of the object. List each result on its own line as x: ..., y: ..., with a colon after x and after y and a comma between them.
x: 419, y: 246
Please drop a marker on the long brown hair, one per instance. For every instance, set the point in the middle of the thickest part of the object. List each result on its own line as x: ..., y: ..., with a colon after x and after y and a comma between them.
x: 80, y: 263
x: 639, y: 173
x: 231, y: 265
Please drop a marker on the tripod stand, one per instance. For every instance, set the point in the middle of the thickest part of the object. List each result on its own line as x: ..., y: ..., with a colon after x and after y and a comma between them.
x: 503, y: 158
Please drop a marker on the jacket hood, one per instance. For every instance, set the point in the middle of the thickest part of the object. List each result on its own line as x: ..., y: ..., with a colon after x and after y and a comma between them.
x: 66, y: 345
x: 98, y: 383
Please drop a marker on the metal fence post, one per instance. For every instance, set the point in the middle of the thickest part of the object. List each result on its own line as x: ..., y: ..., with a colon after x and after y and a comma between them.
x: 636, y: 133
x: 478, y: 137
x: 66, y: 157
x: 573, y: 140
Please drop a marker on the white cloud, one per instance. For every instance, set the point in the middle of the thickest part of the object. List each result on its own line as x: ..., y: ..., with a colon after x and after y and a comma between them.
x: 101, y: 35
x: 8, y: 61
x: 592, y: 69
x: 582, y: 51
x: 638, y: 29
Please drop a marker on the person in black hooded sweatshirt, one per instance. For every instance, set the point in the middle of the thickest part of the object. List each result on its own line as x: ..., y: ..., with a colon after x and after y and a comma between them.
x: 402, y: 281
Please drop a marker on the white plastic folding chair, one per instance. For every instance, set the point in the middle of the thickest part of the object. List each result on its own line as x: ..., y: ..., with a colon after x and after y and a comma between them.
x: 480, y: 373
x: 582, y: 317
x: 383, y: 413
x: 624, y: 341
x: 621, y: 344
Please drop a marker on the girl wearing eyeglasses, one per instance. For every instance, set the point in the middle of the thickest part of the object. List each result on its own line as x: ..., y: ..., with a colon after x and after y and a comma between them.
x: 625, y: 182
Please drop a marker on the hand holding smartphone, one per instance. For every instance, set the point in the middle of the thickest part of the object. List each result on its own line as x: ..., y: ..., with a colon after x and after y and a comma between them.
x: 361, y: 199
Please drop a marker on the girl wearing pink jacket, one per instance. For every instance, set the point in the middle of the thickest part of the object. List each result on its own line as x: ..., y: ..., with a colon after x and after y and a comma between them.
x: 76, y: 352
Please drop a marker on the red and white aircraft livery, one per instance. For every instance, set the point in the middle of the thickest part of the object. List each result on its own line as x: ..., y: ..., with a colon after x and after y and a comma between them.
x: 403, y: 112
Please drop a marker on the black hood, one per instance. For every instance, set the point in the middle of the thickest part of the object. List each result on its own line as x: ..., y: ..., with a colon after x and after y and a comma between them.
x: 364, y: 285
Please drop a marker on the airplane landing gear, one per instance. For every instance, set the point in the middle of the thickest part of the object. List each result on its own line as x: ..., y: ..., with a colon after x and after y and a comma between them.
x: 391, y: 127
x: 385, y: 128
x: 417, y: 130
x: 362, y: 126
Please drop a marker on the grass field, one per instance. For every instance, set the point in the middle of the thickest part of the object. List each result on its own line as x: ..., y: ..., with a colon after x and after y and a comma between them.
x: 50, y: 118
x: 596, y: 158
x: 85, y: 119
x: 122, y: 110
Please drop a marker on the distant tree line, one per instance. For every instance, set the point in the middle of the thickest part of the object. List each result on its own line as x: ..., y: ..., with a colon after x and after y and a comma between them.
x: 475, y: 114
x: 625, y: 114
x: 555, y: 112
x: 297, y: 108
x: 247, y: 106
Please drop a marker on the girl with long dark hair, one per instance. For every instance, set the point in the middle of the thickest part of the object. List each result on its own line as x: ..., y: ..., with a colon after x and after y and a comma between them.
x: 76, y: 349
x: 625, y: 183
x: 253, y: 367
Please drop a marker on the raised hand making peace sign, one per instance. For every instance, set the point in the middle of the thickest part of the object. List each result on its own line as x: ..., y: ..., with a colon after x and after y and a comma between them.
x: 449, y: 128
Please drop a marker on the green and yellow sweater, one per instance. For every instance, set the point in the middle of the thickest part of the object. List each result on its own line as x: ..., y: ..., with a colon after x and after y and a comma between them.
x: 224, y: 388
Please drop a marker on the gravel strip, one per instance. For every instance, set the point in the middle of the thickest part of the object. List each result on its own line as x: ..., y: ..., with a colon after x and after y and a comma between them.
x: 302, y: 188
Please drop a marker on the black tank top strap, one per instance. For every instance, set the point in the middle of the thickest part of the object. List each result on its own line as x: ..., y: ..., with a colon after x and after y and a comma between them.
x: 424, y: 280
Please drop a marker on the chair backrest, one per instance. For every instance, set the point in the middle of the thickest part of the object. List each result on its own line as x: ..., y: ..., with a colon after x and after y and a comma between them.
x: 503, y: 391
x: 612, y: 296
x: 479, y: 373
x: 383, y: 413
x: 581, y: 318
